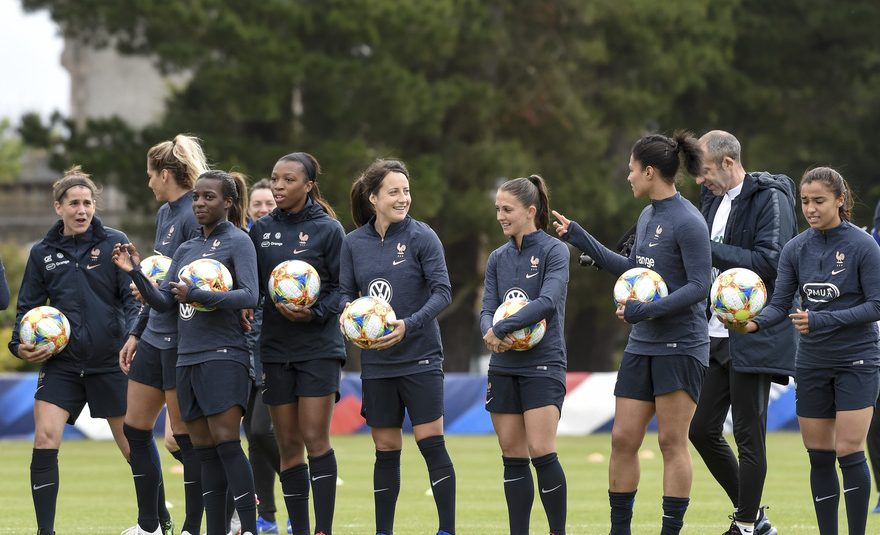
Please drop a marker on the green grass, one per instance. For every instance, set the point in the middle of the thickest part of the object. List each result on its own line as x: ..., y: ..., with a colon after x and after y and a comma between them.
x: 97, y: 495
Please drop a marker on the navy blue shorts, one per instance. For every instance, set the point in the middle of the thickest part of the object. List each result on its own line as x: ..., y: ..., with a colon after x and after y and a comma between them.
x: 285, y: 382
x: 644, y: 377
x: 104, y: 392
x: 517, y: 394
x: 384, y: 400
x: 821, y: 392
x: 154, y: 367
x: 212, y: 387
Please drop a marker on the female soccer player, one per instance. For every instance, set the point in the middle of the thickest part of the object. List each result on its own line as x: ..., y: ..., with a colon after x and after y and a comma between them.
x: 71, y: 269
x: 832, y: 266
x: 301, y: 348
x: 399, y: 259
x: 668, y: 349
x: 262, y: 447
x: 526, y: 389
x: 212, y: 355
x: 149, y: 357
x: 4, y: 288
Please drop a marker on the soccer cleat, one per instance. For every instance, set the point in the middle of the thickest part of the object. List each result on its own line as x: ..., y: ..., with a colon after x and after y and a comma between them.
x: 289, y: 526
x: 441, y: 532
x: 41, y: 532
x: 876, y: 508
x: 167, y: 526
x: 235, y: 524
x: 265, y: 526
x: 762, y: 524
x: 138, y: 530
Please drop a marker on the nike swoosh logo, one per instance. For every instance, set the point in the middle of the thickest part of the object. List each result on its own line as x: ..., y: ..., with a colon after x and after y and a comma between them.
x: 434, y: 483
x: 514, y: 479
x: 836, y: 271
x: 165, y: 242
x: 398, y: 262
x: 242, y: 496
x: 206, y: 493
x: 379, y: 490
x: 847, y: 490
x: 96, y: 265
x: 38, y: 487
x: 298, y: 251
x: 530, y: 276
x: 189, y: 482
x: 818, y: 499
x: 490, y: 399
x: 207, y: 254
x: 138, y: 475
x: 545, y: 491
x: 39, y: 387
x: 653, y: 244
x: 315, y: 478
x: 290, y: 495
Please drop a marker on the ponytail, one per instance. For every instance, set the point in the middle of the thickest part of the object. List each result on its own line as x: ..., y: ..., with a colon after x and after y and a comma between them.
x: 369, y: 183
x: 531, y: 191
x: 234, y: 187
x: 838, y: 186
x: 312, y: 169
x: 182, y: 156
x: 665, y: 154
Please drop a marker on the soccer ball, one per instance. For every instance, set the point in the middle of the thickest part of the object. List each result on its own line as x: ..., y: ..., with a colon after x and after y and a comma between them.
x: 641, y: 284
x: 365, y: 320
x: 45, y: 326
x: 738, y: 295
x: 155, y: 267
x: 527, y: 337
x: 206, y: 274
x: 294, y: 282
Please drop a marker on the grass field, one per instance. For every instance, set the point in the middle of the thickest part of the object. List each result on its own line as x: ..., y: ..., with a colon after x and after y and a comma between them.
x: 97, y: 495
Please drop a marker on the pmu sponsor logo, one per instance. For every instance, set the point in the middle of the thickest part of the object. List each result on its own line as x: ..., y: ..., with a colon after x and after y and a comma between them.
x: 821, y: 292
x: 646, y: 261
x: 516, y: 293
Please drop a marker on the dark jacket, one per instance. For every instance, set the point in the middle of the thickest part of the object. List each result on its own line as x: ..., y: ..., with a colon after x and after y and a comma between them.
x: 762, y: 220
x: 76, y: 275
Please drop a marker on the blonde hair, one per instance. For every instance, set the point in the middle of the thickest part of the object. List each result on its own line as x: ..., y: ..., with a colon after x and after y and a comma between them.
x: 182, y: 156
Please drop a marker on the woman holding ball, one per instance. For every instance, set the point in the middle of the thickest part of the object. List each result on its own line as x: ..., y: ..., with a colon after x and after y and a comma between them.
x: 71, y: 268
x: 213, y: 359
x: 526, y: 389
x: 400, y: 260
x: 667, y: 354
x: 832, y: 267
x: 300, y: 347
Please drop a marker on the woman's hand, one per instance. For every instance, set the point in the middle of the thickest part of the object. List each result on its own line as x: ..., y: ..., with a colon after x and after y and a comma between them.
x: 801, y: 320
x: 561, y: 224
x: 126, y: 256
x: 295, y: 313
x: 179, y: 290
x: 126, y: 354
x: 393, y: 338
x: 245, y: 318
x: 742, y: 327
x: 495, y: 344
x: 34, y: 355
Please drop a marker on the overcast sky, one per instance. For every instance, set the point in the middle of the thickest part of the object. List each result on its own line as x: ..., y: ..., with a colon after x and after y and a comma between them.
x: 30, y: 63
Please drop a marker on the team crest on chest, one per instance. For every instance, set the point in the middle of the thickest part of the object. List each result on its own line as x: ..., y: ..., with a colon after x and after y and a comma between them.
x: 168, y: 236
x: 401, y: 251
x: 303, y: 242
x: 95, y: 254
x: 839, y: 257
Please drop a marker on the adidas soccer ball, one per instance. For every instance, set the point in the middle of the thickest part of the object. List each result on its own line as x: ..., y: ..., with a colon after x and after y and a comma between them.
x: 365, y: 320
x: 45, y: 326
x: 527, y: 337
x: 155, y: 267
x: 294, y: 282
x: 738, y: 295
x: 206, y: 274
x: 641, y: 284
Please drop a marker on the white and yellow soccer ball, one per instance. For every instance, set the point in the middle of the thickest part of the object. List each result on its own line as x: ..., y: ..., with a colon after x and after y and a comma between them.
x: 527, y: 337
x: 738, y: 295
x: 641, y: 284
x: 45, y: 326
x: 155, y: 267
x: 294, y: 282
x: 365, y: 320
x: 206, y: 274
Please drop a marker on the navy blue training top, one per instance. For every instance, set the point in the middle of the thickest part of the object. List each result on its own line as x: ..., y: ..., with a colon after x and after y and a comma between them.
x: 175, y: 224
x: 673, y: 240
x: 836, y: 274
x: 408, y: 269
x: 77, y: 276
x: 214, y: 335
x: 312, y: 236
x: 539, y: 272
x: 4, y: 288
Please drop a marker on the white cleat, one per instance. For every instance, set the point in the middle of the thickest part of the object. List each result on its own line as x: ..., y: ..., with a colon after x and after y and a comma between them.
x: 138, y: 530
